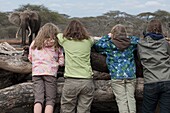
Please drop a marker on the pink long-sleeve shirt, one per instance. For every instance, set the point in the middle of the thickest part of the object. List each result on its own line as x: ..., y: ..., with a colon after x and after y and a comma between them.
x: 45, y: 61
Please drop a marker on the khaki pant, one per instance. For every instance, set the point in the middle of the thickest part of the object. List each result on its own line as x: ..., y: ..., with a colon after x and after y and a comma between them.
x: 77, y: 96
x: 124, y: 91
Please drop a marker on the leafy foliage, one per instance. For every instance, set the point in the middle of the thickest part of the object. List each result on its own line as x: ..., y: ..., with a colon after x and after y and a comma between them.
x: 45, y: 13
x: 4, y: 19
x: 38, y: 8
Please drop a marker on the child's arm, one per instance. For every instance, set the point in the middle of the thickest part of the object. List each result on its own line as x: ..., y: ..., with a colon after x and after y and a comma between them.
x: 134, y: 39
x: 30, y: 55
x: 102, y: 44
x: 60, y: 57
x: 96, y: 38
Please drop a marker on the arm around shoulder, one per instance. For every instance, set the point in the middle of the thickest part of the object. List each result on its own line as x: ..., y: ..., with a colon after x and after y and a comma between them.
x: 134, y: 39
x: 102, y: 44
x: 60, y: 38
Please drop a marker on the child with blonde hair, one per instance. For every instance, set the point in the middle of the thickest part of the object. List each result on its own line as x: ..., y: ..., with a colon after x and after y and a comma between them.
x: 46, y: 55
x: 119, y: 48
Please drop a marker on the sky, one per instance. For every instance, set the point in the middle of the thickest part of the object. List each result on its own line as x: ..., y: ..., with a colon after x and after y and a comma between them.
x: 87, y: 8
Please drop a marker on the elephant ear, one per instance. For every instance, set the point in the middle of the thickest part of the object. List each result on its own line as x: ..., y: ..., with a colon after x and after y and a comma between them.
x: 14, y: 18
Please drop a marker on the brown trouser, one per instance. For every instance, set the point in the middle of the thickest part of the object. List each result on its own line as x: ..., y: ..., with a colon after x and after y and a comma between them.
x: 77, y: 95
x: 45, y: 88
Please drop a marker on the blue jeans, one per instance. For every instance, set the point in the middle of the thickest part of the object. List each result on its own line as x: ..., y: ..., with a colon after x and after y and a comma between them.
x: 155, y: 93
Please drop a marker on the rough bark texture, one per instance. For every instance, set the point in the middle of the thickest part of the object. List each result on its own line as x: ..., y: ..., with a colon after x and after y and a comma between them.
x: 8, y: 78
x: 15, y: 96
x: 21, y: 95
x: 12, y: 60
x: 15, y: 64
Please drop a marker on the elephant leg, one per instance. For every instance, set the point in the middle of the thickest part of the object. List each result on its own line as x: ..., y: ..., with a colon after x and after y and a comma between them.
x: 23, y: 43
x: 30, y: 39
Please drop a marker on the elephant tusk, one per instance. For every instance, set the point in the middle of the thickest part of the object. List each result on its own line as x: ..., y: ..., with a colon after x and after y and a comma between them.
x: 17, y: 32
x: 29, y: 31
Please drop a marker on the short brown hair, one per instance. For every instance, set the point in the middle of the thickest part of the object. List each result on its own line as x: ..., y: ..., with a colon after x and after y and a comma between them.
x: 154, y: 26
x: 76, y: 31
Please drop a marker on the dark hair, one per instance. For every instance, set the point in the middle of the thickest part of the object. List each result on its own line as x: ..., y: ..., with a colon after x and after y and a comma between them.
x: 154, y: 26
x: 75, y: 31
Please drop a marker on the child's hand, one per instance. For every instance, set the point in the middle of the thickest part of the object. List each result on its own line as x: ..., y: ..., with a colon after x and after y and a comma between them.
x: 97, y: 38
x: 110, y: 34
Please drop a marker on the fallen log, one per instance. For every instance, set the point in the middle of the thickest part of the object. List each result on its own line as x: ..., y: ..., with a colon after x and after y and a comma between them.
x: 12, y: 41
x: 12, y: 60
x: 98, y: 62
x: 8, y: 78
x: 15, y: 64
x: 21, y: 95
x: 15, y: 96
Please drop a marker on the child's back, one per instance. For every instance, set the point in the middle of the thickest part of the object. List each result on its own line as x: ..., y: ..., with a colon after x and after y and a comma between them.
x: 120, y: 57
x: 77, y: 56
x: 155, y: 57
x: 120, y: 61
x: 154, y: 52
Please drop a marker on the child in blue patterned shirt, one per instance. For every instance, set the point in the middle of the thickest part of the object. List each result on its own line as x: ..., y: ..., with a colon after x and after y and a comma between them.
x: 119, y: 49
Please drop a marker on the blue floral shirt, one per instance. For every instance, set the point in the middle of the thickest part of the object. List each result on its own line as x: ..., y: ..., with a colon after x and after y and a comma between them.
x: 121, y: 64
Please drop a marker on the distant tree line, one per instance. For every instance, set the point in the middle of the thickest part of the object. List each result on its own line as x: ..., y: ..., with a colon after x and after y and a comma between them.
x: 97, y: 26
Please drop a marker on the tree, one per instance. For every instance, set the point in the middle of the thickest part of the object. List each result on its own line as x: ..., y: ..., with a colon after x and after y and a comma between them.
x: 46, y: 14
x: 146, y: 15
x: 38, y: 8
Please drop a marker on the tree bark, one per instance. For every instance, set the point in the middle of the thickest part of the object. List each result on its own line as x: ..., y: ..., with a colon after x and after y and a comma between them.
x: 15, y: 64
x: 15, y: 96
x: 22, y: 94
x: 12, y: 60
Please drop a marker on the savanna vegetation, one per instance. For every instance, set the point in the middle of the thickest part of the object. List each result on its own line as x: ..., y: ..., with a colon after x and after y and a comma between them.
x: 97, y: 26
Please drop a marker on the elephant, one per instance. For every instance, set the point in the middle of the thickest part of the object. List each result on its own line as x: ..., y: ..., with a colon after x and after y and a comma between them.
x: 29, y: 23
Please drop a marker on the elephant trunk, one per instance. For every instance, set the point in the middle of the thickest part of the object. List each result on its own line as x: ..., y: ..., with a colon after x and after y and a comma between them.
x: 18, y: 32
